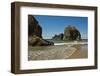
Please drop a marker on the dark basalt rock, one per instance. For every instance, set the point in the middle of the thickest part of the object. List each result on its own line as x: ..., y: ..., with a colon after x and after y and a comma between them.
x: 71, y: 33
x: 35, y: 33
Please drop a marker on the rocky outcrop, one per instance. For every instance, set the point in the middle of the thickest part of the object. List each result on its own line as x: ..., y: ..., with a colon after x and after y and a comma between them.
x: 71, y: 33
x: 35, y: 33
x: 58, y: 37
x: 37, y: 41
x: 33, y: 27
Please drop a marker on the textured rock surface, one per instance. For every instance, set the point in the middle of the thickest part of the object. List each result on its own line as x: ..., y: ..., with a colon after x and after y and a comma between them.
x: 71, y: 33
x: 33, y: 27
x: 37, y: 41
x: 58, y: 37
x: 35, y: 33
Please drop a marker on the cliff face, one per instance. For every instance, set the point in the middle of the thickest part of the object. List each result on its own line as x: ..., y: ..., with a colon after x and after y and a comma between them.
x: 33, y: 27
x: 70, y: 33
x: 35, y: 33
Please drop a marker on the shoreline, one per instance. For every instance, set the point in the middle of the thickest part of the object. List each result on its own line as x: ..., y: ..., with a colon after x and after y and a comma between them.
x: 57, y: 52
x: 71, y: 43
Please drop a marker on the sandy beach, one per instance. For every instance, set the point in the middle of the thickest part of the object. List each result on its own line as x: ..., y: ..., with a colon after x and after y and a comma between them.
x: 70, y: 51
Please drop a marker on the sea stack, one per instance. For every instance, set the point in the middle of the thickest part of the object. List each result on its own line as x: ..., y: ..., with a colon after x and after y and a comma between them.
x: 71, y: 33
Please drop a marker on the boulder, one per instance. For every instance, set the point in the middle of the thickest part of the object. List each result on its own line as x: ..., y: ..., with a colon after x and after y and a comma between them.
x: 71, y: 33
x: 37, y: 41
x: 44, y: 42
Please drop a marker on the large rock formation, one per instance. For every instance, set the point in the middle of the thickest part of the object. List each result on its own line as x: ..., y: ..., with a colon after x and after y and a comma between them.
x: 33, y: 27
x: 71, y: 33
x: 35, y: 33
x: 58, y: 37
x: 37, y: 41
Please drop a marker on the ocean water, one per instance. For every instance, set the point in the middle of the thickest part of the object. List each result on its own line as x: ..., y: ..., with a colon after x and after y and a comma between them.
x: 83, y: 43
x: 84, y: 47
x: 62, y: 41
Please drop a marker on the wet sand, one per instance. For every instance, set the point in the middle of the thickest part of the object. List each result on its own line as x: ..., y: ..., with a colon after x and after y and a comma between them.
x: 56, y: 52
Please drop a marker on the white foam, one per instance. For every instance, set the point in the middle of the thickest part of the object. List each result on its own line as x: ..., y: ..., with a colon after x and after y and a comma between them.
x: 70, y: 43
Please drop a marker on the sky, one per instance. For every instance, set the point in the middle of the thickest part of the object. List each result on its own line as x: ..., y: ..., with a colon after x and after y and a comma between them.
x: 52, y: 25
